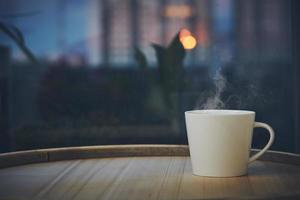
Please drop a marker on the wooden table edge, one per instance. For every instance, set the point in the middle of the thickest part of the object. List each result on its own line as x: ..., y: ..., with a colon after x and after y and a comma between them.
x: 103, y: 151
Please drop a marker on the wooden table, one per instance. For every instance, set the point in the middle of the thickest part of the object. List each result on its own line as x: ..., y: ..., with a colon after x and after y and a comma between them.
x: 166, y: 175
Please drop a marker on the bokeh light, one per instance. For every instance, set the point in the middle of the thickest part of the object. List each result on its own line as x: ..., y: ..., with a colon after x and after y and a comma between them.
x: 184, y: 33
x: 187, y: 40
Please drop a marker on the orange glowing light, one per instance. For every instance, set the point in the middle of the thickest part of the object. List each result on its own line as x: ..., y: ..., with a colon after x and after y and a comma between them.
x: 178, y: 11
x: 187, y: 40
x: 184, y: 33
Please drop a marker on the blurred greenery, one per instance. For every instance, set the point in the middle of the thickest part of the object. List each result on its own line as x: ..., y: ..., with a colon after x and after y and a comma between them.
x: 74, y: 97
x: 171, y: 78
x: 61, y: 105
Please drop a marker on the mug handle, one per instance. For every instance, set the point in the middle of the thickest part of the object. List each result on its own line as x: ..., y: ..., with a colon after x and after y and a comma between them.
x: 270, y: 142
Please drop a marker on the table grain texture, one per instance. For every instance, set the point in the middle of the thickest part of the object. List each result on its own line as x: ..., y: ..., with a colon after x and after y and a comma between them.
x: 148, y: 177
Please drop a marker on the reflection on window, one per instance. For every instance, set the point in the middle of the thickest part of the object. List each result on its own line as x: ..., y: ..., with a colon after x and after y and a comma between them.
x: 90, y: 88
x: 104, y: 32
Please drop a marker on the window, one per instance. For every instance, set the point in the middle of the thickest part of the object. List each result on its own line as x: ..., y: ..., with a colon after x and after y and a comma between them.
x: 88, y: 87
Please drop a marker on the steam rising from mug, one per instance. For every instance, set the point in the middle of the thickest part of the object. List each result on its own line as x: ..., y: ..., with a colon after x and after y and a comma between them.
x: 215, y: 101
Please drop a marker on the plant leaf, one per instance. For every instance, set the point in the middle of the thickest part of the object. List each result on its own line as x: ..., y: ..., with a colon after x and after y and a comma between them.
x: 18, y: 38
x: 140, y: 58
x: 176, y: 50
x: 18, y: 34
x: 160, y: 52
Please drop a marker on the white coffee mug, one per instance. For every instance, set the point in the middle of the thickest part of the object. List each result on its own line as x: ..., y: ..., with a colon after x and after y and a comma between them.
x: 220, y: 141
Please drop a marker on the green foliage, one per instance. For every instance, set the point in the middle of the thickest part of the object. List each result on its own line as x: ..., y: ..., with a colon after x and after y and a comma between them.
x: 170, y: 67
x: 140, y: 58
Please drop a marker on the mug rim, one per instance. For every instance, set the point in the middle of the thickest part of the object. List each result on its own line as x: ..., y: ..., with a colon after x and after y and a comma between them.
x: 219, y: 112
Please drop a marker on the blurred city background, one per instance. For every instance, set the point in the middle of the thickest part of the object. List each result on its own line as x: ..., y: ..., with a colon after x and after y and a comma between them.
x: 93, y: 72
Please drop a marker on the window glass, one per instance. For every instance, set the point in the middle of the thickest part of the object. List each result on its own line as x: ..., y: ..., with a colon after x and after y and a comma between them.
x: 101, y: 75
